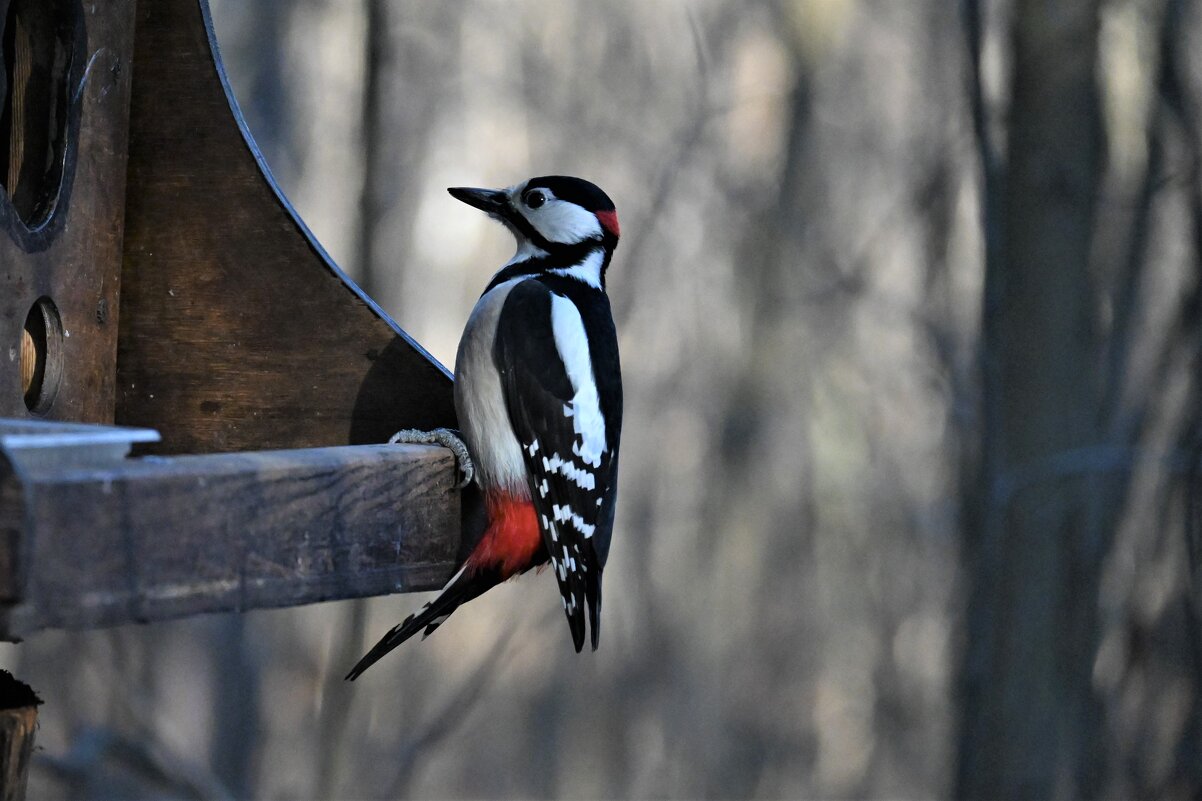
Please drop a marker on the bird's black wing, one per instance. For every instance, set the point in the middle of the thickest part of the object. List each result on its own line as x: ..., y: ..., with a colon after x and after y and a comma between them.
x: 553, y: 406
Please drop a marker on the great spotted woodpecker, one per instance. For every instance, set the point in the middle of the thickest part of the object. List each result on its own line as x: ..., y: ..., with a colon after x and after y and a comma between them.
x: 538, y: 391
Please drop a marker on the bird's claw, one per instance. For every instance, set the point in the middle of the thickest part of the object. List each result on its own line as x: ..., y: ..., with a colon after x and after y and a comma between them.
x: 447, y: 438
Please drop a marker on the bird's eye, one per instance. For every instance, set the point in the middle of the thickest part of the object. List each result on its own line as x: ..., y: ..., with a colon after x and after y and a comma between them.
x: 535, y: 199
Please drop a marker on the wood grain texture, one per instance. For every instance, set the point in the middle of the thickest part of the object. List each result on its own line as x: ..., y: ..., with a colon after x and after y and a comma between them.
x: 74, y: 257
x: 12, y: 527
x: 29, y: 360
x: 18, y: 721
x: 153, y: 538
x: 237, y: 331
x: 17, y: 728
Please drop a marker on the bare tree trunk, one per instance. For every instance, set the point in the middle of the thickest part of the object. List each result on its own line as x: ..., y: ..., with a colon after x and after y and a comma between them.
x: 1029, y: 727
x: 377, y: 45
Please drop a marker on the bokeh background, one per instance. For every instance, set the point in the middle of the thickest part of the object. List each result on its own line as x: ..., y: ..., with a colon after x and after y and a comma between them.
x: 908, y: 297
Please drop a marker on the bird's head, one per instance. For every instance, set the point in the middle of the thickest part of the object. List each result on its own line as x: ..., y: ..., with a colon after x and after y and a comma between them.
x: 553, y: 213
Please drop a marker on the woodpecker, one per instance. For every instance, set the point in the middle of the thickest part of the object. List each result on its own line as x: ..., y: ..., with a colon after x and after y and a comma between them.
x: 538, y: 391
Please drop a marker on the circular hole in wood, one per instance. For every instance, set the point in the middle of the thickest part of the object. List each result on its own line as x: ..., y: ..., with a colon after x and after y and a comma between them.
x: 38, y: 45
x: 41, y: 356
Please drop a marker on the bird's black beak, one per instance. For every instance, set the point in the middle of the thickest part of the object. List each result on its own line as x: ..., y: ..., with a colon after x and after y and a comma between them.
x: 491, y: 201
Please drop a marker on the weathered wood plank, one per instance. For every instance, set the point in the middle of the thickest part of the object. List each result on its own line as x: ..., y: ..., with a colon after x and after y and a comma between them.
x: 29, y: 445
x: 237, y: 331
x: 153, y: 538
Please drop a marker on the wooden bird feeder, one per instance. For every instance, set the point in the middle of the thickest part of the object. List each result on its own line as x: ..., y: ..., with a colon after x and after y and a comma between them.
x: 158, y: 292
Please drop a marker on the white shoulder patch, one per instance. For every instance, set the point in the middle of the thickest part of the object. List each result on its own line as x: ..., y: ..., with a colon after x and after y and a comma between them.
x: 585, y: 406
x: 588, y: 271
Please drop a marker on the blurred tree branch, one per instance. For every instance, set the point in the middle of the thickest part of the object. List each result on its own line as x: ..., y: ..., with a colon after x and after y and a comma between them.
x: 104, y: 764
x: 449, y: 716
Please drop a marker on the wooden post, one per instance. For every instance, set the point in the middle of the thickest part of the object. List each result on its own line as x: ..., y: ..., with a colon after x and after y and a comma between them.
x: 18, y: 717
x: 62, y: 203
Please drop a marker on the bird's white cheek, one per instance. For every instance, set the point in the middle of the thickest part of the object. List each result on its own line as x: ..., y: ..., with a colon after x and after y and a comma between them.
x: 565, y: 222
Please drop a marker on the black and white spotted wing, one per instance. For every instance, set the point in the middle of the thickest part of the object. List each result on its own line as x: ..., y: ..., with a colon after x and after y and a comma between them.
x: 556, y: 350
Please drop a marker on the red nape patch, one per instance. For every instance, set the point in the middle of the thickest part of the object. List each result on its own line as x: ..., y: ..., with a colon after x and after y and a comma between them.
x: 609, y: 221
x: 512, y: 535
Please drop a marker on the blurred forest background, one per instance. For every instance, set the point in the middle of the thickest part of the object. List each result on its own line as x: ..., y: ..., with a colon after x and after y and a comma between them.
x: 909, y: 304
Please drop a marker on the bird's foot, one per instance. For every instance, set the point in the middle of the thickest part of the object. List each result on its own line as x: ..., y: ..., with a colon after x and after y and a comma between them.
x: 446, y: 437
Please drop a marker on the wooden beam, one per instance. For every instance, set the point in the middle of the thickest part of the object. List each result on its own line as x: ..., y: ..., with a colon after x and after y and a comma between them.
x: 95, y: 540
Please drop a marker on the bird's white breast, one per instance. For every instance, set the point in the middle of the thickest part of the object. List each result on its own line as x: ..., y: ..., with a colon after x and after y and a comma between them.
x: 480, y: 398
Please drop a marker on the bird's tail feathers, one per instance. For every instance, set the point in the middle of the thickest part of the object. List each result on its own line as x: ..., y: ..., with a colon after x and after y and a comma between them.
x: 593, y: 592
x: 463, y: 587
x: 579, y: 591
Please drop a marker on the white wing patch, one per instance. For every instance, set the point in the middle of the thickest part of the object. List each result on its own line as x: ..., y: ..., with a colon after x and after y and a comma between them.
x: 585, y: 406
x: 582, y: 477
x: 565, y: 514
